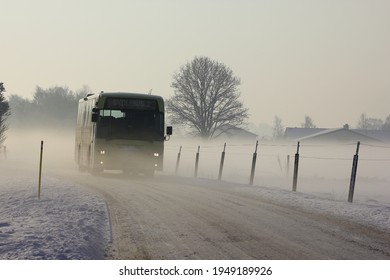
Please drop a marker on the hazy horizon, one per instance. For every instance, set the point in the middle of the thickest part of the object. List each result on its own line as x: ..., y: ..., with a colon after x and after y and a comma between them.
x: 329, y: 60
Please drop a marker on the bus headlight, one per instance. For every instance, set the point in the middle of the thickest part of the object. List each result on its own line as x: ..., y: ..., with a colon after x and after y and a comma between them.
x: 102, y: 152
x: 156, y: 154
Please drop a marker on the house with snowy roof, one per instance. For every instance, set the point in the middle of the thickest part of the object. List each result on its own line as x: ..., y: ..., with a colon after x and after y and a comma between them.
x: 234, y: 133
x: 340, y: 135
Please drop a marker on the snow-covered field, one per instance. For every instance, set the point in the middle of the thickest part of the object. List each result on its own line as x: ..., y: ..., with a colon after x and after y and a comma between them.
x: 324, y: 170
x: 67, y: 222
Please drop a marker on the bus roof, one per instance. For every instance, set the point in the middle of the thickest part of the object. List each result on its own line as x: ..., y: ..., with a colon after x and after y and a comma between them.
x: 129, y: 94
x: 124, y: 94
x: 100, y: 97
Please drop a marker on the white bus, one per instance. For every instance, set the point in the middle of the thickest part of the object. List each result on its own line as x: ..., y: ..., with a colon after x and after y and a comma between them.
x: 121, y: 131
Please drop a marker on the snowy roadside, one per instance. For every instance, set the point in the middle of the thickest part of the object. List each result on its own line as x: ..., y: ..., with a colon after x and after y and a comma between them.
x: 68, y: 222
x: 375, y: 215
x: 372, y: 214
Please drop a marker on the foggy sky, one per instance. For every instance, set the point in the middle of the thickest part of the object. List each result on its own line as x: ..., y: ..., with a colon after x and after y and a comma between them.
x: 326, y: 59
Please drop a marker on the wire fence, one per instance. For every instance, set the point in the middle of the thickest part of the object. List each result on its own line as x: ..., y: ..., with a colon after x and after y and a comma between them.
x: 323, y: 169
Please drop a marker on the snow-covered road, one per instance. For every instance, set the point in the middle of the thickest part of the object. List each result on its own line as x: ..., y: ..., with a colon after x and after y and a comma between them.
x: 182, y: 218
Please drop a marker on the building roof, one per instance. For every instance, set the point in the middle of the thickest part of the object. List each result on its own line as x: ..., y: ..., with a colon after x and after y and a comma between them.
x: 382, y: 135
x: 230, y: 131
x: 335, y: 135
x: 294, y: 133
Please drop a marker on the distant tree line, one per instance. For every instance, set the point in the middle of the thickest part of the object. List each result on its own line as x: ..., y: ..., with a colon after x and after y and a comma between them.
x: 52, y: 107
x: 373, y: 123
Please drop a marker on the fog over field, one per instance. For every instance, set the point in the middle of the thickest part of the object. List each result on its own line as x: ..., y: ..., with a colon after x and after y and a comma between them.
x: 324, y: 169
x: 23, y: 148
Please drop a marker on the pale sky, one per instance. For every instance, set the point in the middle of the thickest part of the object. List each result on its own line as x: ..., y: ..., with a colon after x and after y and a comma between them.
x: 328, y: 59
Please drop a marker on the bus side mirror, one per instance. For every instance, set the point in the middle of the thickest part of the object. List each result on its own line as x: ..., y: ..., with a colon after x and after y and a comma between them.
x: 95, y: 117
x: 95, y: 114
x: 169, y: 133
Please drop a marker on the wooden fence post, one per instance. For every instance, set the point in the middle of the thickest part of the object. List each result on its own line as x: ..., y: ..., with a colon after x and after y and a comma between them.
x: 178, y: 161
x: 288, y: 166
x: 296, y: 164
x: 253, y: 164
x: 222, y: 162
x: 353, y: 173
x: 40, y: 171
x: 196, y: 163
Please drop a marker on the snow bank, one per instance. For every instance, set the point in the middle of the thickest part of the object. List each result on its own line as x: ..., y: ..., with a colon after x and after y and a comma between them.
x: 68, y: 222
x: 370, y: 214
x: 373, y: 214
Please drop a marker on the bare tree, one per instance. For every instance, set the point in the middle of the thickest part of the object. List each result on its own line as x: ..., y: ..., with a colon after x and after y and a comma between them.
x: 369, y: 123
x: 309, y: 123
x: 278, y: 129
x: 206, y: 98
x: 4, y: 113
x: 386, y: 124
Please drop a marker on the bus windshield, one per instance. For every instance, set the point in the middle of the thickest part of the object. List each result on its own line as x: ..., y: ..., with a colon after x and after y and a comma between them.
x: 130, y: 124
